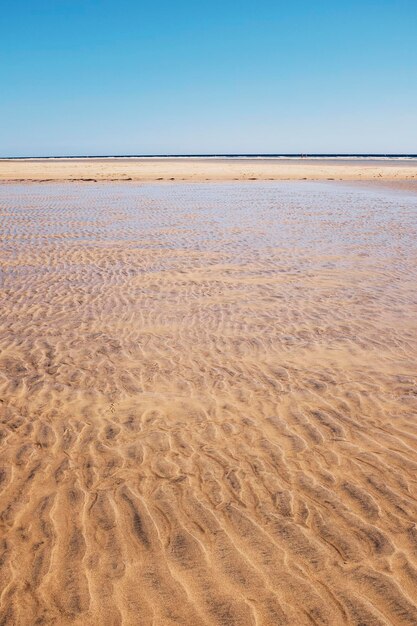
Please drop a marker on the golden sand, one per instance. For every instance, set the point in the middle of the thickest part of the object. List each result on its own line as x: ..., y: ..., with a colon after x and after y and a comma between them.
x: 208, y: 405
x: 191, y: 169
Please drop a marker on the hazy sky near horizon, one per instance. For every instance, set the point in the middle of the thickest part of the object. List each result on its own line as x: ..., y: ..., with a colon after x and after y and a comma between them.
x: 81, y: 77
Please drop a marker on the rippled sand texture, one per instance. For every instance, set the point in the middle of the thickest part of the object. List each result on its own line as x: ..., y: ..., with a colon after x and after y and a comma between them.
x: 208, y: 405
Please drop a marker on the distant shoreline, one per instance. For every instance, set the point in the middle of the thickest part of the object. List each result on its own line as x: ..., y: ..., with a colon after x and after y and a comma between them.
x: 243, y: 156
x: 200, y: 169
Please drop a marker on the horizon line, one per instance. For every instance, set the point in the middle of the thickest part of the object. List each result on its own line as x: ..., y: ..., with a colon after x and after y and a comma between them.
x: 299, y: 155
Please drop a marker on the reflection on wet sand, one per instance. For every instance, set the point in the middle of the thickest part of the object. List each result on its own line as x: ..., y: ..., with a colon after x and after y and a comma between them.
x: 207, y: 404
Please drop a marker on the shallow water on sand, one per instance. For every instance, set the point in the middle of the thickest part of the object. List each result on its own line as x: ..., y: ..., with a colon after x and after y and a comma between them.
x: 208, y: 404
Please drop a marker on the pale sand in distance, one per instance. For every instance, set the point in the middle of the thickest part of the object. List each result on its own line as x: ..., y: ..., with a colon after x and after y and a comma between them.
x: 203, y: 169
x: 207, y: 400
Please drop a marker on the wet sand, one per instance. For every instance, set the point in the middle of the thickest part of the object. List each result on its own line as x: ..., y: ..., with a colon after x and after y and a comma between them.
x: 208, y: 404
x: 203, y: 169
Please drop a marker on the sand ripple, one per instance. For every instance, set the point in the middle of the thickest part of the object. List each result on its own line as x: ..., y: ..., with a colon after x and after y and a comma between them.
x: 208, y: 405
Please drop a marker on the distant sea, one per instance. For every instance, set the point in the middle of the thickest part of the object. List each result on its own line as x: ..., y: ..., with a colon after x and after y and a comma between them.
x: 370, y: 156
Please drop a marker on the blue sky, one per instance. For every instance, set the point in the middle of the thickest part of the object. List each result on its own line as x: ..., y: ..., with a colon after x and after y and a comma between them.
x: 130, y: 77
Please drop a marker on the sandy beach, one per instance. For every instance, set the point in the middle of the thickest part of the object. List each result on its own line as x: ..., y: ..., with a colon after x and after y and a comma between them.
x: 201, y: 169
x: 207, y: 395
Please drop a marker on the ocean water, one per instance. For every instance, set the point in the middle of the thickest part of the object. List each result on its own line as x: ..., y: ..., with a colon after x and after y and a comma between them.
x: 341, y: 156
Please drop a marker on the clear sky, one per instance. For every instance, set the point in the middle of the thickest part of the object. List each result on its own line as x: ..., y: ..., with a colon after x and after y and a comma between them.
x: 187, y: 76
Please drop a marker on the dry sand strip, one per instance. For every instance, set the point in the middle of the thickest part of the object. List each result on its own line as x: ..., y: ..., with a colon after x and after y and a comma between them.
x: 200, y: 169
x: 208, y: 405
